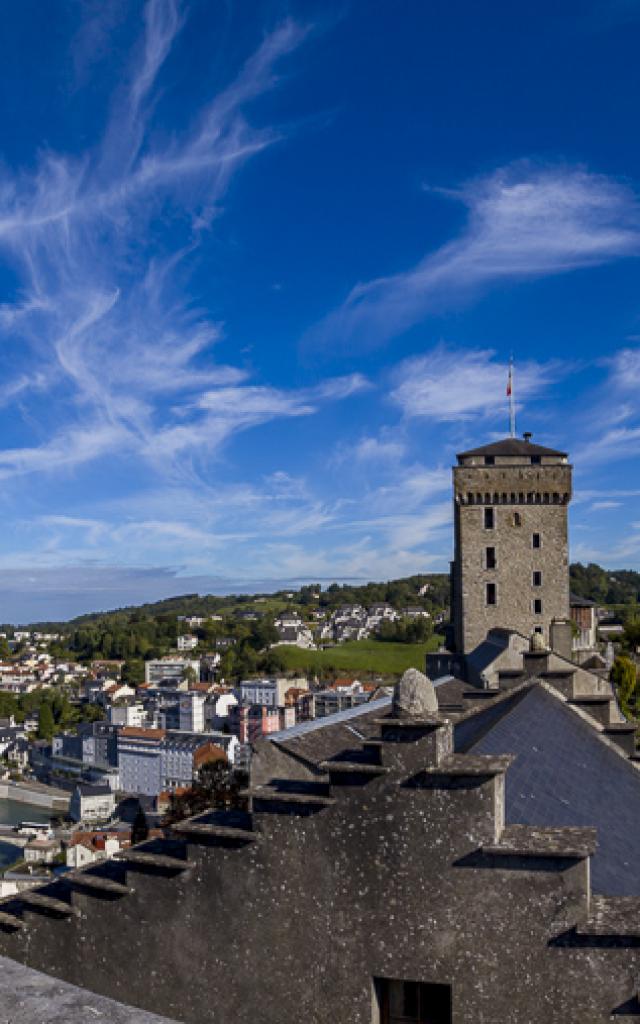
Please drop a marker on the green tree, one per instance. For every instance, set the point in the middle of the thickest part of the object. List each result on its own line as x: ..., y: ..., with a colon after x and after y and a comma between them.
x: 5, y: 650
x: 624, y: 677
x: 46, y: 724
x: 133, y: 672
x: 631, y: 637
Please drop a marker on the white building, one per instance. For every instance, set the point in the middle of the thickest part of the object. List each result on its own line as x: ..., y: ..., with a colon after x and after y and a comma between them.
x: 258, y: 691
x: 92, y: 803
x: 41, y: 851
x: 153, y: 761
x: 191, y: 711
x: 268, y: 692
x: 187, y: 642
x: 140, y: 760
x: 89, y: 847
x: 171, y: 671
x: 127, y: 714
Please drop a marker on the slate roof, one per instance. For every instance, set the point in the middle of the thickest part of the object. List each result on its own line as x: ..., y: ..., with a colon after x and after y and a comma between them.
x: 87, y: 789
x: 512, y: 446
x: 323, y: 738
x: 580, y: 602
x: 565, y: 774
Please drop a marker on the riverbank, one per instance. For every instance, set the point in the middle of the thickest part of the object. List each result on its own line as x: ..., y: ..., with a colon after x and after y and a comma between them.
x: 36, y: 795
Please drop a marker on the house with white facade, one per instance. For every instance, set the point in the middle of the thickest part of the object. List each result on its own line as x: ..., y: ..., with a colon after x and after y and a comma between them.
x: 41, y: 851
x: 187, y: 642
x: 92, y: 803
x: 292, y: 630
x: 171, y: 671
x: 127, y: 714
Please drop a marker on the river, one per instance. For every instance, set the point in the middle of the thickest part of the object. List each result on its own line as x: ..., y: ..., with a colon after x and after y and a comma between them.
x: 11, y: 813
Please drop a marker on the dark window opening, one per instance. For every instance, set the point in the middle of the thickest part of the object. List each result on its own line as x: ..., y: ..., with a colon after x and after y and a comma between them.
x: 491, y: 593
x: 517, y: 519
x: 413, y: 1002
x: 489, y: 521
x: 537, y: 578
x: 537, y: 606
x: 489, y: 460
x: 535, y: 460
x: 536, y: 540
x: 538, y: 629
x: 490, y: 558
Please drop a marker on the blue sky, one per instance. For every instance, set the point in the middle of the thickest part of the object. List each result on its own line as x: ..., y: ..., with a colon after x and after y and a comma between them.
x: 262, y: 266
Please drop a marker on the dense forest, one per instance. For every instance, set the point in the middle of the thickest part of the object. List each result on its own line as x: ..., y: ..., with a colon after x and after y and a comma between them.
x: 621, y: 586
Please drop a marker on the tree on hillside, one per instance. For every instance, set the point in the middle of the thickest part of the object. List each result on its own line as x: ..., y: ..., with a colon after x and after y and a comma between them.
x: 631, y: 637
x: 624, y: 677
x: 5, y: 650
x: 133, y: 672
x: 46, y: 723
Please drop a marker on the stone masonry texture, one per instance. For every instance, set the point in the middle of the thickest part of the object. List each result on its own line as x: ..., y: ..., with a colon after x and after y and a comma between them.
x: 516, y: 559
x: 401, y: 877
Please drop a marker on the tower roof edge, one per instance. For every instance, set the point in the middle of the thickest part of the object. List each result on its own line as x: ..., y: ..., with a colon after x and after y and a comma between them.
x: 512, y: 446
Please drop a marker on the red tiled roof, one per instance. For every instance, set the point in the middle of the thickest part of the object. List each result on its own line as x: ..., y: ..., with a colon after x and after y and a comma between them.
x: 137, y: 732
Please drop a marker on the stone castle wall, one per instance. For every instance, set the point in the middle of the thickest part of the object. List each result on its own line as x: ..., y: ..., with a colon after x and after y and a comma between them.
x: 525, y: 500
x: 403, y: 874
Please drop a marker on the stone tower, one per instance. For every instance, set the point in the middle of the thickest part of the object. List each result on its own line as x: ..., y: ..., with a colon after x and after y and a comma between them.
x: 511, y: 566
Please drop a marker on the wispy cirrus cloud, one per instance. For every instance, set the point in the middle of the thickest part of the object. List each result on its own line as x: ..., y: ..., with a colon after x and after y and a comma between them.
x: 523, y: 223
x: 447, y: 385
x: 614, y: 423
x: 102, y: 244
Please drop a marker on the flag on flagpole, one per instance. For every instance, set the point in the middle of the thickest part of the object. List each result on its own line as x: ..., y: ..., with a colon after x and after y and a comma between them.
x: 509, y: 381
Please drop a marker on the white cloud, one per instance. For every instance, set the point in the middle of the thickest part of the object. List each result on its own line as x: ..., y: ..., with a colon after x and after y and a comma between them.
x: 124, y: 355
x: 375, y: 449
x: 523, y: 223
x: 613, y: 445
x: 449, y: 385
x: 625, y: 370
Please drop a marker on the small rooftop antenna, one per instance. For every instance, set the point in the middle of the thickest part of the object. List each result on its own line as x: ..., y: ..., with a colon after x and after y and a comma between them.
x: 512, y: 408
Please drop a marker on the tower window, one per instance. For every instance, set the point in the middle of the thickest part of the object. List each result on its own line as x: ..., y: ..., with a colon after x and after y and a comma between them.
x: 536, y: 540
x: 490, y: 558
x: 537, y: 606
x: 489, y: 460
x: 490, y: 593
x: 537, y: 578
x: 535, y: 460
x: 517, y: 519
x: 413, y: 1002
x: 489, y: 519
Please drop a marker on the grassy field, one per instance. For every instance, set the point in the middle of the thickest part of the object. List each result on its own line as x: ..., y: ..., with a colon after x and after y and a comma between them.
x: 365, y: 656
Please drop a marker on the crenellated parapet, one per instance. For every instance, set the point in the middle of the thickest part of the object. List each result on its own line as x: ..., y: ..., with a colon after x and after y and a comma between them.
x: 394, y: 863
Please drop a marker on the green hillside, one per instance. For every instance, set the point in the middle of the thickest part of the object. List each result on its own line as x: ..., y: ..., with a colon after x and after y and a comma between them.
x: 365, y: 656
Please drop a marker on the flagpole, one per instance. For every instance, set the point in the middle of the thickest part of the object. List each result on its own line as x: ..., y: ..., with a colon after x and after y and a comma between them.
x: 512, y: 408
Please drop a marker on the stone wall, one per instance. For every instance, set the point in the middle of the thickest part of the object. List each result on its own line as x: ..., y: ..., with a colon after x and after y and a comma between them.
x: 525, y: 500
x: 399, y: 869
